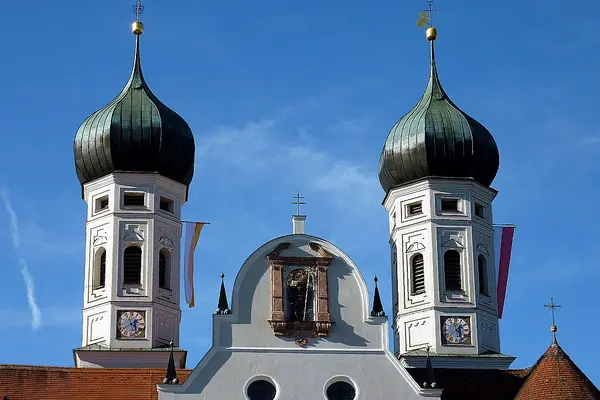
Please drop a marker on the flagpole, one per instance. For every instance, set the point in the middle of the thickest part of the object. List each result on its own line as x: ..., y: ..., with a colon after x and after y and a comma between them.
x: 195, y: 222
x: 506, y: 225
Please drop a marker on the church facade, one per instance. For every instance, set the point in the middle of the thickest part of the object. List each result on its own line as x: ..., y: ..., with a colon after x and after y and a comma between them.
x: 301, y: 322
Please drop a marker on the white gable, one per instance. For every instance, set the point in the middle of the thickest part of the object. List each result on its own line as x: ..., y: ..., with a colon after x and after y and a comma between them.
x: 245, y: 347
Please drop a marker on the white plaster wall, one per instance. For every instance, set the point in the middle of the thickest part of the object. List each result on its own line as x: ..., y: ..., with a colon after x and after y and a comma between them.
x: 111, y: 229
x: 299, y: 376
x: 348, y: 302
x: 245, y: 347
x: 431, y: 234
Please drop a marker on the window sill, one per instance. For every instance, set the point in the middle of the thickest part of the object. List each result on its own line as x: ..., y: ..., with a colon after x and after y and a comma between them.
x: 135, y: 208
x: 301, y: 328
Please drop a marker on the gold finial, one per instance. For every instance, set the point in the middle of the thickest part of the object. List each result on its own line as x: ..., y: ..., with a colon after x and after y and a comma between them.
x: 138, y: 26
x: 553, y: 328
x: 426, y: 18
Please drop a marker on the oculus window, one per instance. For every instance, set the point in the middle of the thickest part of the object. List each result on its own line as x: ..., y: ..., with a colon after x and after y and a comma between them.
x: 261, y: 390
x: 341, y: 391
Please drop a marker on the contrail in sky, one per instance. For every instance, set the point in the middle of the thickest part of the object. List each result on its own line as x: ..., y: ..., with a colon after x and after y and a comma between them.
x: 36, y: 315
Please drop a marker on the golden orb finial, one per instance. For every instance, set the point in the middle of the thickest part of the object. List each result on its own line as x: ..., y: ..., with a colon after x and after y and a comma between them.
x: 431, y: 34
x: 137, y: 28
x: 553, y: 328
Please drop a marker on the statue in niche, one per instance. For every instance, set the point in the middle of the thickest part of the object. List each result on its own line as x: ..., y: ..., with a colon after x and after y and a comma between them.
x: 300, y: 295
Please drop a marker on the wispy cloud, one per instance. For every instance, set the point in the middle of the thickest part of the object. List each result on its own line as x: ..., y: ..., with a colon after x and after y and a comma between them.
x: 267, y: 146
x: 63, y: 317
x: 36, y: 315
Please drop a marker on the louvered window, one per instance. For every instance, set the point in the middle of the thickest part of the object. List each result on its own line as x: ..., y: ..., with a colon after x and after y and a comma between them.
x: 418, y: 275
x: 415, y: 209
x: 134, y: 199
x: 132, y: 262
x: 163, y: 269
x: 99, y: 278
x: 452, y: 270
x: 479, y: 210
x: 101, y: 203
x: 167, y: 204
x: 483, y: 282
x: 450, y: 205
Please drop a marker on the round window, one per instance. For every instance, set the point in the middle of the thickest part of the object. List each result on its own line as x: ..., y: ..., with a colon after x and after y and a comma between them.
x: 261, y: 390
x: 341, y: 391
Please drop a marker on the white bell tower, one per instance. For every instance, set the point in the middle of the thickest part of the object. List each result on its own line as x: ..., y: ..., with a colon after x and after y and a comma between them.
x: 131, y: 301
x: 444, y: 281
x: 436, y: 167
x: 135, y: 161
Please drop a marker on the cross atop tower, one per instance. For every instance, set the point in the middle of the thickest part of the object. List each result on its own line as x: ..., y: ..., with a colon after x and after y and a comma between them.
x: 552, y: 306
x: 426, y: 17
x: 138, y: 9
x: 298, y: 202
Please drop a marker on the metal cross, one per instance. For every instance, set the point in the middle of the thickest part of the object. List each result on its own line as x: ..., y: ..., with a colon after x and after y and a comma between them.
x: 139, y: 9
x: 298, y: 201
x: 552, y: 307
x: 430, y: 9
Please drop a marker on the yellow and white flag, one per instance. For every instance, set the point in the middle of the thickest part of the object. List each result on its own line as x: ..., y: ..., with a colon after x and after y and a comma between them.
x: 192, y: 234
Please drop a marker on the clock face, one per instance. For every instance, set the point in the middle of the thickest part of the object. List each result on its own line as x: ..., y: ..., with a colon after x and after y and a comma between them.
x: 132, y: 324
x: 456, y: 330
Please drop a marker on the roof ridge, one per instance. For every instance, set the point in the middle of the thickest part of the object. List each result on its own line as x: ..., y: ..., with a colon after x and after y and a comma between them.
x: 25, y: 367
x: 552, y: 368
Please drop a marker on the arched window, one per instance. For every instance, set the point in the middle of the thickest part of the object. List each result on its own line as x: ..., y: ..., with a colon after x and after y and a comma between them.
x: 164, y: 269
x: 99, y: 278
x: 341, y: 391
x: 132, y: 265
x: 418, y: 274
x: 452, y: 270
x: 261, y: 390
x: 483, y: 282
x: 300, y: 295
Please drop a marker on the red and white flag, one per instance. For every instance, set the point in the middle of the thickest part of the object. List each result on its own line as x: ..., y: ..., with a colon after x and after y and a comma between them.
x: 503, y: 240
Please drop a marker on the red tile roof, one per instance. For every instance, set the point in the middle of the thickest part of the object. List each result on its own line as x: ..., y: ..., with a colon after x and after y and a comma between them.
x: 556, y: 377
x: 488, y: 384
x: 23, y: 382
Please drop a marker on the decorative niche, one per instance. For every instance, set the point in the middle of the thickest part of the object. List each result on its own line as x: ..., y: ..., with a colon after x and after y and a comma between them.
x: 300, y: 293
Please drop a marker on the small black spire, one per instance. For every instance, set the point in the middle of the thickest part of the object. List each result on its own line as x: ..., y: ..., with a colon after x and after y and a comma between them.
x: 429, y: 375
x: 377, y: 305
x: 223, y: 307
x: 171, y: 377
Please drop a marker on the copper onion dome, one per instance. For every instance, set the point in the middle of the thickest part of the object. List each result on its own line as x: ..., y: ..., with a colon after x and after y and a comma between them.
x: 135, y: 132
x: 437, y: 139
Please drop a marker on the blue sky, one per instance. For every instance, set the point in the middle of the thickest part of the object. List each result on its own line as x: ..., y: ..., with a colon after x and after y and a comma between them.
x: 285, y: 96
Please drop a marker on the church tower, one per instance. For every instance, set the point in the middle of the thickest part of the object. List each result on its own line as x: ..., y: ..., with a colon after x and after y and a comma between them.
x: 135, y: 161
x: 436, y: 168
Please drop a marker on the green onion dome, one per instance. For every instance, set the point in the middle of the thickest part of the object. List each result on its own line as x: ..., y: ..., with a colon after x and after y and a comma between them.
x: 437, y: 139
x: 135, y: 132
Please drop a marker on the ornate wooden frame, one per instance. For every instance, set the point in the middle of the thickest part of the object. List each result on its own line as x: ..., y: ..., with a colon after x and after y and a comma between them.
x: 300, y: 329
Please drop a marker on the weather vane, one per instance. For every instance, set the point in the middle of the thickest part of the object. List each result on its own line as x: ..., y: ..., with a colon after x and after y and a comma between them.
x: 298, y: 201
x: 426, y: 17
x: 139, y: 9
x: 552, y: 308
